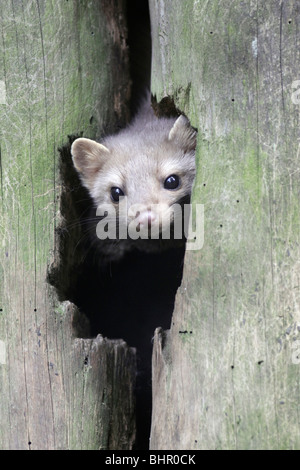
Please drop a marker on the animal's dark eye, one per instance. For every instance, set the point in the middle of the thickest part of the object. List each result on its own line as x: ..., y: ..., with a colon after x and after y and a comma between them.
x: 116, y: 193
x: 172, y: 182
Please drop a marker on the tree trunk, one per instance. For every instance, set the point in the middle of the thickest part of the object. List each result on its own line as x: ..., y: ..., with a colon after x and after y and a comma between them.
x: 63, y: 71
x: 226, y: 375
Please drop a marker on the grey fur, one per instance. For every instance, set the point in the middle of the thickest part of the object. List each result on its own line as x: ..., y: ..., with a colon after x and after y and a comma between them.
x: 138, y: 160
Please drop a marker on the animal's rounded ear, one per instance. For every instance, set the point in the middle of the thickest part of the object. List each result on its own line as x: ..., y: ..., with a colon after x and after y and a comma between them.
x: 88, y: 158
x: 183, y: 134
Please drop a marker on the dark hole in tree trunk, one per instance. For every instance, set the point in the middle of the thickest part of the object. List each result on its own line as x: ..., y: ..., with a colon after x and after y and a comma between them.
x: 131, y: 298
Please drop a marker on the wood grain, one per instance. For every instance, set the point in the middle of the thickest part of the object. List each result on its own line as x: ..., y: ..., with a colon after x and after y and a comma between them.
x: 224, y: 376
x: 63, y: 71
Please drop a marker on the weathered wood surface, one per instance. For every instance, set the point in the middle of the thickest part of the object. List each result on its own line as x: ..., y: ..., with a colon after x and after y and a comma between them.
x: 231, y: 381
x: 63, y: 70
